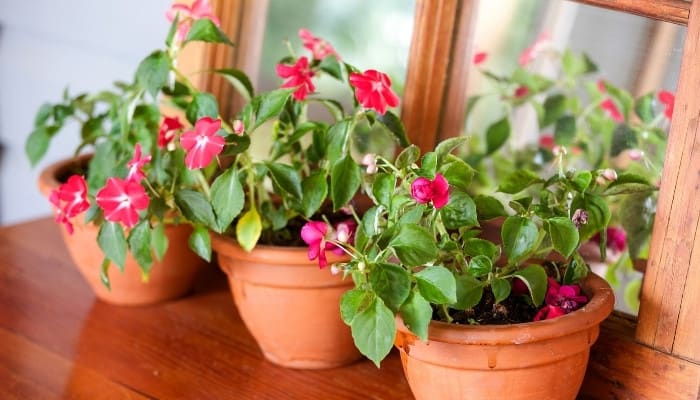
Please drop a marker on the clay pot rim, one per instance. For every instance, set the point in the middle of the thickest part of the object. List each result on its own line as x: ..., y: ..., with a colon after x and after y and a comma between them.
x: 296, y: 256
x: 592, y: 314
x: 47, y: 177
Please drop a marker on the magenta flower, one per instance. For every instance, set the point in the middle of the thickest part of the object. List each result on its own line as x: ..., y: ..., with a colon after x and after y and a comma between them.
x: 319, y: 48
x: 521, y: 92
x: 298, y: 76
x: 166, y: 132
x: 530, y: 54
x: 188, y: 14
x: 74, y: 194
x: 580, y: 217
x: 318, y: 235
x: 610, y: 108
x: 480, y: 57
x: 202, y: 144
x: 566, y: 297
x: 668, y: 100
x: 548, y: 312
x: 136, y: 165
x: 121, y: 200
x: 616, y: 239
x: 424, y: 191
x: 60, y: 217
x: 373, y: 90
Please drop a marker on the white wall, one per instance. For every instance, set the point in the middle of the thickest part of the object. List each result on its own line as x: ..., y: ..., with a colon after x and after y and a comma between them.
x: 46, y: 45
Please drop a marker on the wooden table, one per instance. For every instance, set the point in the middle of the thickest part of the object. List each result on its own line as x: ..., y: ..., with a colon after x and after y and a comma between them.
x: 58, y: 341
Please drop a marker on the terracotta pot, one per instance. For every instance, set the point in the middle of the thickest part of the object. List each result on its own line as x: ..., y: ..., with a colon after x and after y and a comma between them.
x: 170, y: 278
x: 530, y: 361
x: 288, y: 304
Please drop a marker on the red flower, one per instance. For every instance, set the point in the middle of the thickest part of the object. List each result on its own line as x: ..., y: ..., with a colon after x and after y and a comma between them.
x: 667, y: 99
x: 60, y: 217
x: 480, y: 57
x: 166, y: 133
x: 136, y: 164
x: 298, y: 76
x: 529, y: 54
x: 69, y: 200
x: 317, y: 235
x: 373, y: 90
x: 202, y: 144
x: 319, y: 48
x: 611, y: 110
x: 521, y: 92
x: 548, y: 312
x: 121, y: 200
x: 424, y: 191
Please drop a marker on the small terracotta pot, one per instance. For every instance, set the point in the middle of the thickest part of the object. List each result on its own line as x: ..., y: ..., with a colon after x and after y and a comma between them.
x: 288, y: 304
x: 529, y: 361
x: 169, y: 278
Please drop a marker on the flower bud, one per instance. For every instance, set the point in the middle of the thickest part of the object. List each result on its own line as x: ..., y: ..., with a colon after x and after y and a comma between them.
x: 238, y: 127
x: 609, y: 174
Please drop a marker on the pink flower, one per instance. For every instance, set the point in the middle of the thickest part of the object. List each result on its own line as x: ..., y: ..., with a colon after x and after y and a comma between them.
x: 635, y: 154
x: 548, y: 312
x: 166, y: 132
x: 617, y: 239
x: 317, y: 235
x: 480, y: 57
x: 521, y: 92
x: 69, y: 200
x: 319, y: 48
x: 298, y: 76
x: 202, y: 144
x: 136, y: 165
x: 121, y: 200
x: 610, y: 108
x: 188, y: 14
x: 370, y: 160
x: 667, y: 99
x: 566, y: 297
x: 373, y: 90
x: 601, y: 86
x: 531, y: 53
x: 424, y: 191
x: 238, y: 127
x: 580, y: 217
x: 609, y: 174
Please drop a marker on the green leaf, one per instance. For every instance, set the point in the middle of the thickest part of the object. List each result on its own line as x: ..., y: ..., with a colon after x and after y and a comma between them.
x: 564, y: 235
x: 204, y: 30
x: 412, y: 215
x: 393, y: 123
x: 428, y: 165
x: 480, y: 265
x: 598, y: 215
x: 636, y: 213
x: 518, y: 180
x: 383, y: 188
x: 416, y: 314
x: 202, y: 105
x: 159, y: 241
x: 227, y: 198
x: 315, y: 190
x: 346, y: 178
x: 391, y: 282
x: 437, y: 284
x: 286, y: 177
x: 370, y: 221
x: 520, y: 237
x: 200, y: 242
x: 248, y: 229
x: 497, y: 134
x: 152, y: 73
x: 140, y: 247
x: 239, y: 80
x: 535, y: 278
x: 623, y: 138
x: 353, y: 302
x: 474, y: 247
x: 447, y: 146
x: 460, y: 211
x: 43, y: 114
x: 414, y: 245
x: 374, y: 331
x: 104, y: 274
x: 631, y: 294
x: 469, y: 291
x: 488, y: 207
x: 582, y: 180
x: 36, y: 145
x: 112, y: 242
x: 408, y: 156
x: 338, y: 135
x: 554, y: 107
x: 195, y: 207
x: 565, y: 130
x: 644, y: 108
x: 500, y: 288
x: 270, y: 105
x: 332, y: 67
x: 459, y: 174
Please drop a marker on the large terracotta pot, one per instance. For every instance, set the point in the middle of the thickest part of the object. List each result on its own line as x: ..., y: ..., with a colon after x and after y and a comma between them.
x: 169, y: 278
x: 288, y: 304
x: 530, y: 361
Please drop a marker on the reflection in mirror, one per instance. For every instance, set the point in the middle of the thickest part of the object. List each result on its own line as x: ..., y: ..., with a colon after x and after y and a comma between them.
x: 366, y: 34
x: 557, y: 85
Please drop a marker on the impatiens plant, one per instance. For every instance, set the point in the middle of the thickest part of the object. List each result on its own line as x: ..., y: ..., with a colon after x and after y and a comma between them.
x: 423, y: 253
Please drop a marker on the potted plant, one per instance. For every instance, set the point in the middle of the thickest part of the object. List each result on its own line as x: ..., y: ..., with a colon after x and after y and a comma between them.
x: 259, y: 204
x: 473, y: 318
x: 122, y: 199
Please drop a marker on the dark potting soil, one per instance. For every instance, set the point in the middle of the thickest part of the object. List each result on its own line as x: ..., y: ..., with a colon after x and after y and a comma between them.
x: 513, y: 310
